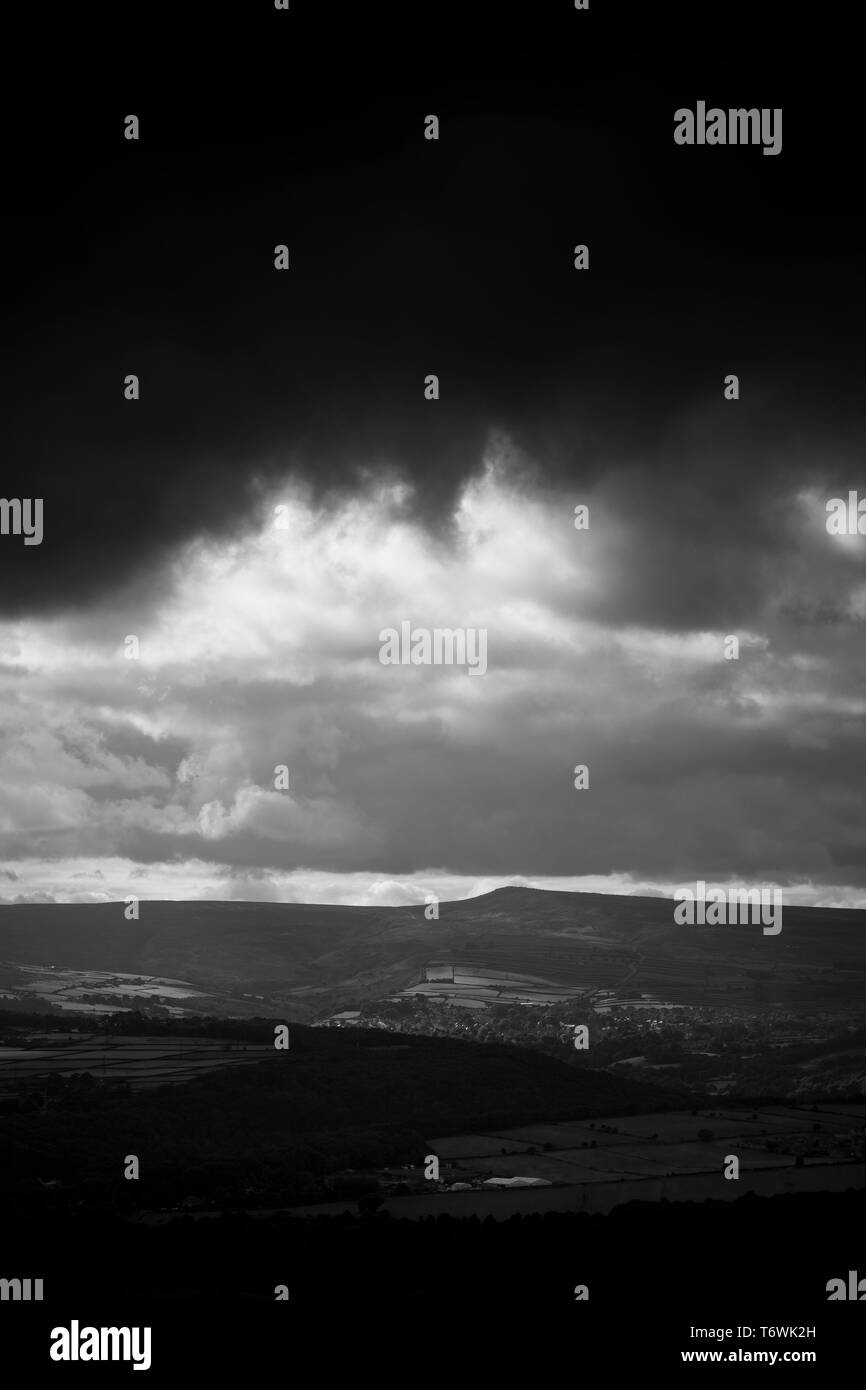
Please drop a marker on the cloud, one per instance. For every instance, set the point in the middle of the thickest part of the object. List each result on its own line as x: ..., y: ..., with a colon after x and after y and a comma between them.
x: 262, y: 651
x: 411, y: 257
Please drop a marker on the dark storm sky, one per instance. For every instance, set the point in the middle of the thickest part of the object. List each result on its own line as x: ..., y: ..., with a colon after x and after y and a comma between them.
x: 454, y: 257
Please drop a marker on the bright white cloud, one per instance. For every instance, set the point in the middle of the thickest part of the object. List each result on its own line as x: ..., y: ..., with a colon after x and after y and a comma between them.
x: 264, y: 650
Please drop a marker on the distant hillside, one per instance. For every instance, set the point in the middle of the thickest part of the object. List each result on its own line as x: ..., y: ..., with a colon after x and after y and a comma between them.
x: 313, y: 958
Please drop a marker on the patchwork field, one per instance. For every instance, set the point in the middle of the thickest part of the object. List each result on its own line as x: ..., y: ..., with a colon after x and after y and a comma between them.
x: 478, y: 991
x: 660, y: 1145
x: 95, y: 991
x: 677, y: 1130
x: 652, y: 1157
x: 140, y: 1061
